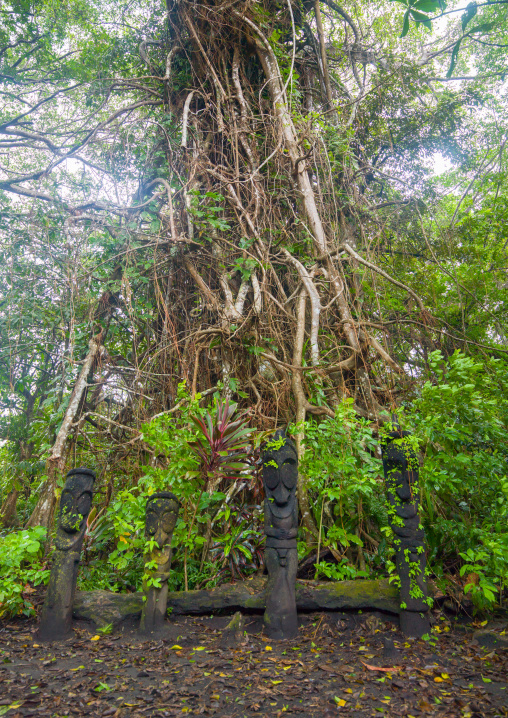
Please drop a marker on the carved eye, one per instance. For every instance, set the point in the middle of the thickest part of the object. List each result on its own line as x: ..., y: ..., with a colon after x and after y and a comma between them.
x: 168, y: 522
x: 152, y: 521
x: 84, y: 503
x: 271, y: 476
x: 67, y: 501
x: 289, y: 473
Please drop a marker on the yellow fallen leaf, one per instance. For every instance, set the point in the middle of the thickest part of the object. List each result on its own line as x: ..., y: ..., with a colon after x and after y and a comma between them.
x: 95, y: 638
x: 36, y: 645
x: 222, y: 675
x: 286, y: 668
x: 207, y: 674
x: 438, y: 679
x: 483, y: 623
x: 276, y: 682
x: 216, y: 697
x: 340, y: 702
x: 13, y: 706
x: 268, y: 648
x: 445, y: 676
x: 178, y: 648
x: 199, y: 648
x: 349, y: 690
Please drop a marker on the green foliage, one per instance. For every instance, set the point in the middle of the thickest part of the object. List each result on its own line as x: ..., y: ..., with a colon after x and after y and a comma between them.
x: 21, y: 567
x: 461, y: 421
x: 194, y: 477
x: 341, y: 571
x: 482, y: 589
x: 206, y: 214
x: 342, y: 470
x: 238, y: 552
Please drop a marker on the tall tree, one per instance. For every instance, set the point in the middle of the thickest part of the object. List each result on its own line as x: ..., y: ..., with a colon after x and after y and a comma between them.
x: 244, y: 190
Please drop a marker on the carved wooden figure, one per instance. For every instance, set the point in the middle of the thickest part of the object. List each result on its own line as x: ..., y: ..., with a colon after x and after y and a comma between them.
x: 75, y: 504
x: 280, y: 475
x: 400, y: 464
x: 161, y: 515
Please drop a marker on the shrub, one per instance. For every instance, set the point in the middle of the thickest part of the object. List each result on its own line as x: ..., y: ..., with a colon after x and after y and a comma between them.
x: 21, y: 564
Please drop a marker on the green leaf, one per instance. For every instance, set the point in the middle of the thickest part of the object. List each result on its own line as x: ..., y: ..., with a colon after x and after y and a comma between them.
x: 426, y: 5
x: 471, y: 11
x: 453, y: 60
x: 405, y: 24
x: 484, y: 27
x: 421, y: 18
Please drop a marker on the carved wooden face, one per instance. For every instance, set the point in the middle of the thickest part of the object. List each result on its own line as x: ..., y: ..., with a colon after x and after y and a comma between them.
x: 161, y: 516
x: 75, y: 502
x: 401, y: 468
x: 280, y: 473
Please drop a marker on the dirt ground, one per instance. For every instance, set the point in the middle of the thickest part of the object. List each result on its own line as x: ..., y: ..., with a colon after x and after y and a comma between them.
x: 340, y: 664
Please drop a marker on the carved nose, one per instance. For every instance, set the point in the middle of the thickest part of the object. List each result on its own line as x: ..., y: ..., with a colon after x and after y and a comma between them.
x: 281, y: 494
x: 159, y: 537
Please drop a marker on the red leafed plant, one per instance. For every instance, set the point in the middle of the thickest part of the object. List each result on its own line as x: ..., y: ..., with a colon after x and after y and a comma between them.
x: 223, y: 444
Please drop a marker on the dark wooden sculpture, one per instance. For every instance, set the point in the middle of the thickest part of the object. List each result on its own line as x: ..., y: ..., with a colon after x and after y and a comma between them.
x: 75, y: 504
x: 280, y: 475
x: 400, y: 464
x: 161, y: 515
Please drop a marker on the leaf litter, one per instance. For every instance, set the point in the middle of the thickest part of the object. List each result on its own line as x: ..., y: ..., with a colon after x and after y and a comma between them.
x: 322, y: 673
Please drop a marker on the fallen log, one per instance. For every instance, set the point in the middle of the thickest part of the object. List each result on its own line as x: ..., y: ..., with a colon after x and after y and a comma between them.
x: 105, y: 607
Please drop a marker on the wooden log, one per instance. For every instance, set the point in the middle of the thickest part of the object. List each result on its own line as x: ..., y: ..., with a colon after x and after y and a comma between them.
x: 104, y: 607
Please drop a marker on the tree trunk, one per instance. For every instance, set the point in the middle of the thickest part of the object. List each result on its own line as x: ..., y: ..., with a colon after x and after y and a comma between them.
x: 103, y: 607
x: 42, y: 514
x: 8, y: 512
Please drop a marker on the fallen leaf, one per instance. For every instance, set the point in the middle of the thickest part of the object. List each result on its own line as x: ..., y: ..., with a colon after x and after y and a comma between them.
x: 12, y: 707
x: 178, y: 648
x: 340, y: 701
x: 425, y: 706
x: 378, y: 668
x: 325, y: 667
x: 95, y: 638
x: 268, y: 648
